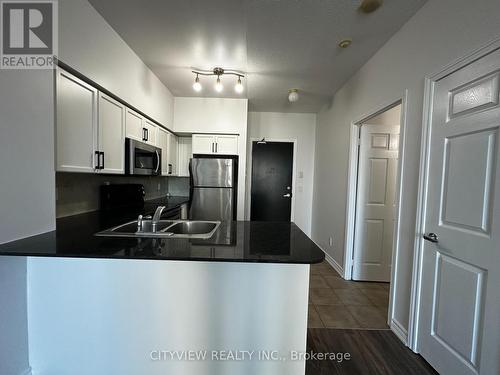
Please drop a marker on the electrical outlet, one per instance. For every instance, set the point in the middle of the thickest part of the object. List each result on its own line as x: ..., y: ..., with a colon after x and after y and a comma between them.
x: 330, y: 241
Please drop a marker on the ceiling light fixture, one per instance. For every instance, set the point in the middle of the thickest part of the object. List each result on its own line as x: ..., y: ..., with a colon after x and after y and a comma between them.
x: 218, y: 85
x: 197, y: 85
x: 293, y: 95
x: 239, y: 88
x: 344, y: 43
x: 370, y: 6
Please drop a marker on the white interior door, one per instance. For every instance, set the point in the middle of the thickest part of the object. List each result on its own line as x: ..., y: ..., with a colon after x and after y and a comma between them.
x: 376, y: 200
x: 459, y: 321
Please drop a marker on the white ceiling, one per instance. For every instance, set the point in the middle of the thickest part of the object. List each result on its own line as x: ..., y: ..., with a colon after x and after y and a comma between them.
x: 281, y: 44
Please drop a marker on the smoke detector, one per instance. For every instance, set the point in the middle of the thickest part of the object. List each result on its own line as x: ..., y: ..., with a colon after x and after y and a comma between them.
x: 293, y: 95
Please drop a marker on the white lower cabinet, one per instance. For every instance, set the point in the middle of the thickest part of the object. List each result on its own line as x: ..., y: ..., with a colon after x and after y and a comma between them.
x: 222, y: 144
x: 76, y: 128
x: 111, y: 135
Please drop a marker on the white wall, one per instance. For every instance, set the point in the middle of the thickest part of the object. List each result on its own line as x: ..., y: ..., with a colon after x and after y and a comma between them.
x: 108, y: 315
x: 88, y: 44
x: 27, y: 177
x: 217, y: 115
x: 13, y: 317
x: 442, y: 31
x: 300, y: 127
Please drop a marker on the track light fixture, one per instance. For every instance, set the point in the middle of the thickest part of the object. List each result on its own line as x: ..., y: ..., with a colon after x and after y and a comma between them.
x: 197, y: 85
x: 219, y: 87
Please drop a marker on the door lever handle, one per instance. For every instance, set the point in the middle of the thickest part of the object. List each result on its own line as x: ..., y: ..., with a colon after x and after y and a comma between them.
x: 431, y: 237
x: 287, y: 195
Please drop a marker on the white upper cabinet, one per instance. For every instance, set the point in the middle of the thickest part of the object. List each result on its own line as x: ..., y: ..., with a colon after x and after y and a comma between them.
x: 184, y: 155
x: 203, y: 143
x: 111, y: 135
x: 91, y: 127
x: 162, y: 142
x: 76, y: 130
x: 215, y: 144
x: 226, y: 144
x: 134, y: 125
x: 172, y: 154
x: 140, y: 128
x: 168, y: 144
x: 151, y: 131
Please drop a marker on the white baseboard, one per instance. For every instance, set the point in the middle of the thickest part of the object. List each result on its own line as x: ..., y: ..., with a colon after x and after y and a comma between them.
x: 337, y: 267
x: 399, y: 331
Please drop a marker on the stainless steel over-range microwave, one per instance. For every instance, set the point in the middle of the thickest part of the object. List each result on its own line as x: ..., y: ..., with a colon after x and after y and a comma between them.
x: 142, y: 159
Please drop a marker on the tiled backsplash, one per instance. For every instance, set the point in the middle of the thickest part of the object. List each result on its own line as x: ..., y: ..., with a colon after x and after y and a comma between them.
x: 178, y: 186
x: 79, y: 192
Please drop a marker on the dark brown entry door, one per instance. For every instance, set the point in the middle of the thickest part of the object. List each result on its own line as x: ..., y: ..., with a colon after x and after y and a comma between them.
x: 272, y: 164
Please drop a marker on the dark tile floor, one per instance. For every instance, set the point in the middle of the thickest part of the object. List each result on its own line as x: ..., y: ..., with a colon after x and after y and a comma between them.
x: 372, y: 352
x: 337, y: 303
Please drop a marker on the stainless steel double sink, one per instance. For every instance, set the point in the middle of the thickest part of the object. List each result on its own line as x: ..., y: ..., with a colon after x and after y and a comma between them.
x: 163, y: 229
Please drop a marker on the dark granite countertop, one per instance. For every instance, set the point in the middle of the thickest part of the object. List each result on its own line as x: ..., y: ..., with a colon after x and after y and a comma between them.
x: 238, y: 241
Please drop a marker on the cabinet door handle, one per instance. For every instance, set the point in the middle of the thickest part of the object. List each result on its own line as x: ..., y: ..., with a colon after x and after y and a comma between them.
x: 147, y: 134
x: 216, y: 144
x: 102, y: 155
x: 212, y: 147
x: 97, y: 160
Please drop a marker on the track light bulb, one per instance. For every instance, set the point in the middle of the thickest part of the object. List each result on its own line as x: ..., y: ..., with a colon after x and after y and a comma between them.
x: 239, y: 86
x: 197, y: 85
x: 218, y: 85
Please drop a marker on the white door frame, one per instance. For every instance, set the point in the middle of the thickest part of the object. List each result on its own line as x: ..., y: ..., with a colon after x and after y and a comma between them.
x: 249, y: 169
x: 352, y: 195
x: 430, y: 82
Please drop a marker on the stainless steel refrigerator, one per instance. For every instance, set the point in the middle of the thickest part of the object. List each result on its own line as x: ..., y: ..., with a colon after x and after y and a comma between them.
x: 213, y: 188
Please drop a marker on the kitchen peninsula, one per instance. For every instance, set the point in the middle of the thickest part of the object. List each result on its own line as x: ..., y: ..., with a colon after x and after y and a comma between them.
x: 106, y: 305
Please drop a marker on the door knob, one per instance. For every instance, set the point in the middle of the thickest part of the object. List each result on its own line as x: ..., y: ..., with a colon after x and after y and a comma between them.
x: 431, y: 237
x: 287, y: 195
